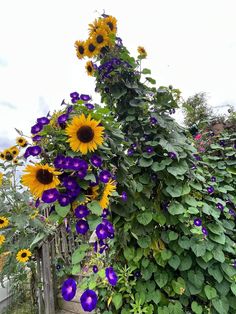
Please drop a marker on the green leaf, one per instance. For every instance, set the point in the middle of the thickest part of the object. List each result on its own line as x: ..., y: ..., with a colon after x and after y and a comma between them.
x: 166, y: 255
x: 79, y: 254
x: 172, y: 235
x: 218, y: 255
x: 144, y: 242
x: 178, y: 286
x: 215, y: 272
x: 196, y: 278
x: 174, y: 262
x: 62, y: 211
x: 176, y: 208
x: 228, y: 269
x: 76, y: 269
x: 210, y: 292
x: 233, y: 288
x: 37, y: 239
x: 146, y: 71
x: 199, y: 249
x: 144, y: 162
x: 90, y: 177
x: 221, y: 305
x: 129, y: 253
x: 158, y: 166
x: 186, y: 263
x: 178, y: 168
x: 161, y: 278
x: 144, y: 218
x: 95, y: 208
x: 117, y: 300
x: 196, y: 308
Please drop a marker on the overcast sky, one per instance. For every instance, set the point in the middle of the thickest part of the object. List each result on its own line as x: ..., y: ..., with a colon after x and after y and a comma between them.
x: 191, y: 44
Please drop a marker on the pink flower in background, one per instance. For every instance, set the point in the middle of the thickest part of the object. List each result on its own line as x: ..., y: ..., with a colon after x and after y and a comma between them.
x: 198, y: 137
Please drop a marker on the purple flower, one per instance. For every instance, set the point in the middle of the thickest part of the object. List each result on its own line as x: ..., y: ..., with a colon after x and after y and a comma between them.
x: 194, y: 167
x: 153, y: 120
x: 50, y: 196
x: 73, y: 193
x: 95, y: 269
x: 220, y: 206
x: 67, y: 163
x: 210, y: 190
x: 130, y: 152
x: 68, y: 289
x: 89, y: 300
x: 96, y: 161
x: 63, y: 118
x: 222, y: 143
x: 137, y: 274
x: 81, y: 173
x: 204, y: 231
x: 111, y: 276
x: 102, y: 231
x: 64, y: 199
x: 74, y: 95
x: 36, y: 138
x: 172, y: 155
x: 89, y: 106
x: 95, y: 247
x: 81, y: 211
x: 85, y: 97
x: 69, y: 109
x: 35, y: 150
x: 104, y: 176
x: 105, y: 213
x: 234, y: 263
x: 43, y: 120
x: 134, y: 145
x: 59, y: 161
x: 37, y: 203
x: 111, y: 236
x: 74, y: 100
x: 124, y: 196
x: 213, y: 179
x: 232, y: 212
x: 82, y: 226
x: 70, y: 183
x: 36, y: 128
x: 197, y: 222
x: 149, y: 149
x: 197, y: 157
x: 109, y: 225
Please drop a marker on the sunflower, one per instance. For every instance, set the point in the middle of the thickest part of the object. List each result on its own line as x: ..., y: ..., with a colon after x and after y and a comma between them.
x: 14, y: 151
x: 111, y: 22
x: 40, y: 178
x: 8, y: 155
x: 2, y: 239
x: 142, y: 52
x: 92, y: 193
x: 4, y: 222
x: 89, y: 68
x: 85, y: 134
x: 110, y: 187
x: 21, y: 141
x: 100, y: 37
x: 80, y: 49
x: 2, y: 156
x: 91, y: 48
x: 1, y: 177
x: 23, y: 256
x: 94, y: 26
x: 15, y: 161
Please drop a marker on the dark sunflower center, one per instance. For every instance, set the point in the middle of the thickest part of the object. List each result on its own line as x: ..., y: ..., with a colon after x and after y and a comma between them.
x: 14, y: 152
x: 100, y: 39
x: 81, y: 49
x: 91, y: 47
x: 20, y: 140
x: 1, y: 221
x: 44, y: 176
x: 9, y: 156
x: 23, y: 255
x: 110, y: 25
x: 89, y: 68
x: 85, y: 134
x: 89, y: 191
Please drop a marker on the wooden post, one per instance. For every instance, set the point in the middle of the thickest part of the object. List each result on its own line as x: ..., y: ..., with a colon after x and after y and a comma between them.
x: 47, y: 279
x: 39, y: 286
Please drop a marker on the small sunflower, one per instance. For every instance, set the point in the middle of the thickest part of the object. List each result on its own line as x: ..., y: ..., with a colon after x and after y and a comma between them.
x: 85, y: 134
x: 21, y: 141
x: 4, y: 222
x: 1, y: 177
x: 15, y: 161
x: 89, y: 68
x: 2, y: 156
x: 40, y: 178
x: 8, y: 155
x: 94, y: 26
x: 14, y: 151
x: 91, y: 48
x: 110, y: 187
x: 23, y: 256
x: 100, y: 37
x: 80, y: 49
x: 142, y: 52
x: 2, y: 239
x: 111, y: 22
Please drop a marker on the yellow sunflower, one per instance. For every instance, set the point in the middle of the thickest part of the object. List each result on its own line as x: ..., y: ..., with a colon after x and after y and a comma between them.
x: 89, y: 68
x: 2, y: 156
x: 21, y: 141
x: 2, y: 239
x: 85, y: 134
x: 14, y: 151
x: 94, y: 26
x: 8, y: 155
x: 40, y: 178
x: 23, y: 256
x: 4, y: 222
x: 142, y: 52
x: 15, y: 161
x: 111, y: 22
x: 110, y: 187
x: 1, y: 177
x: 100, y: 37
x: 91, y: 48
x: 80, y: 49
x: 92, y: 193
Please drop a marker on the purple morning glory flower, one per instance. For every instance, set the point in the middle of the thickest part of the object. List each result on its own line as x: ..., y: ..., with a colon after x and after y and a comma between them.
x: 67, y: 163
x: 134, y: 145
x: 85, y: 97
x: 89, y: 106
x: 35, y: 150
x: 102, y: 231
x: 43, y: 120
x: 68, y: 289
x: 81, y: 211
x: 165, y: 205
x: 64, y: 199
x: 69, y: 109
x: 124, y: 196
x: 95, y: 269
x: 210, y: 190
x: 63, y: 118
x: 111, y: 236
x: 111, y: 276
x: 36, y: 138
x: 234, y: 263
x: 104, y: 176
x: 58, y: 267
x: 232, y: 212
x: 36, y: 128
x: 74, y: 95
x: 153, y: 120
x: 130, y: 152
x: 50, y: 196
x: 197, y: 222
x: 73, y: 193
x: 27, y: 152
x: 172, y: 155
x: 95, y: 247
x: 137, y: 274
x: 105, y: 213
x: 213, y: 179
x: 82, y: 226
x: 96, y: 161
x: 194, y: 167
x: 37, y: 203
x: 74, y: 100
x: 220, y: 206
x: 89, y: 300
x: 204, y: 231
x: 222, y: 143
x: 197, y: 157
x: 59, y: 161
x: 81, y: 174
x: 149, y: 149
x: 70, y: 183
x: 109, y: 225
